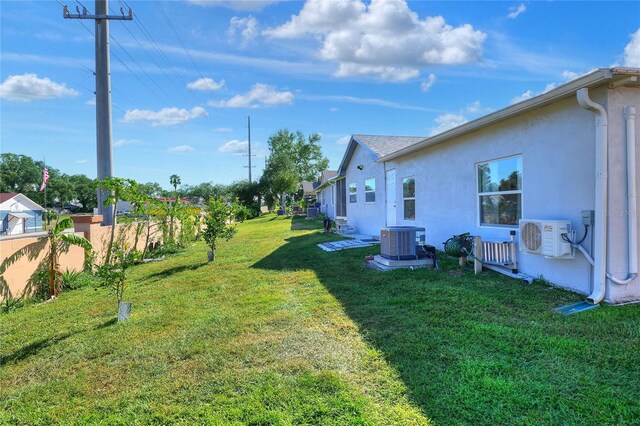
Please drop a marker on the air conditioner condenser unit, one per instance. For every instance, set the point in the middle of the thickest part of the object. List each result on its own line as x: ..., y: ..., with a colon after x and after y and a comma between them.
x: 544, y: 237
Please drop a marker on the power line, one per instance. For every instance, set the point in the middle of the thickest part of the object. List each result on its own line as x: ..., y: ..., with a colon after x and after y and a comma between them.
x: 136, y: 62
x: 178, y: 37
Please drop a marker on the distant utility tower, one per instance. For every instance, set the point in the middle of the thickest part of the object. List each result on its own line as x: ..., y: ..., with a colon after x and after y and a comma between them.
x: 249, y: 146
x: 104, y: 146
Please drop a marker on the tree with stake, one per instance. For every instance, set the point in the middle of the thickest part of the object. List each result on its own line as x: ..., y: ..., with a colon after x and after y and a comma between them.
x: 216, y: 224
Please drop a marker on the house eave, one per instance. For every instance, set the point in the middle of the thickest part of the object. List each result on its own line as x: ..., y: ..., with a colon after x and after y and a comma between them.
x: 593, y: 79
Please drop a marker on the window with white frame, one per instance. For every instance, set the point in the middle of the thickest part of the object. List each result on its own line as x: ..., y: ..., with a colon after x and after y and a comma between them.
x: 353, y: 191
x: 409, y: 197
x: 500, y: 191
x: 370, y: 190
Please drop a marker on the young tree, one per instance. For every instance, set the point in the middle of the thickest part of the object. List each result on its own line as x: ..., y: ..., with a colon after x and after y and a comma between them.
x: 119, y: 189
x: 216, y: 220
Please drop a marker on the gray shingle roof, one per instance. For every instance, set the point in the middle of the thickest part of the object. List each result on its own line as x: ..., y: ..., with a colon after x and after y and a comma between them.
x: 385, y: 145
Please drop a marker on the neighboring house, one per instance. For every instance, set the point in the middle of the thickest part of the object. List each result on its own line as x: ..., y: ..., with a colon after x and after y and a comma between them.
x: 308, y: 193
x: 551, y: 157
x: 325, y: 193
x: 19, y: 215
x: 124, y: 207
x: 361, y: 194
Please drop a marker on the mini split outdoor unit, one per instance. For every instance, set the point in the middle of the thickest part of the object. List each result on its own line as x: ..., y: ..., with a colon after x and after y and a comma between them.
x: 544, y: 237
x: 399, y: 242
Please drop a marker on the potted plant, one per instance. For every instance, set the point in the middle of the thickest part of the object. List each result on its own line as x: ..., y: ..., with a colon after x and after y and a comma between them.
x: 216, y: 222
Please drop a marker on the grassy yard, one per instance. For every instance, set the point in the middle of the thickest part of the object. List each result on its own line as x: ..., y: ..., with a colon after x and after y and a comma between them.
x: 277, y: 331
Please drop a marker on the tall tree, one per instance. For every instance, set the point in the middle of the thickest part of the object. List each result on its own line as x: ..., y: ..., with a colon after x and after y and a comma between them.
x: 305, y: 154
x: 174, y: 180
x: 19, y: 173
x: 84, y: 191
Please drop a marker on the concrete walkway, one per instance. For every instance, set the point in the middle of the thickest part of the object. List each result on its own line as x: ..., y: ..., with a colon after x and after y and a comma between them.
x: 347, y: 244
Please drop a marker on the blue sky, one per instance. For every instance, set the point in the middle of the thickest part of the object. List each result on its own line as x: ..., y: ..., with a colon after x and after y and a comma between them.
x: 186, y: 74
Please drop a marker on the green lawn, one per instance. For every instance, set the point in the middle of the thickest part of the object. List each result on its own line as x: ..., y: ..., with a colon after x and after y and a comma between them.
x: 277, y: 331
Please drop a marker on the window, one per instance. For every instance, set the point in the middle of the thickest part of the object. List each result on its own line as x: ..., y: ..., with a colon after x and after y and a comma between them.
x: 353, y: 190
x: 500, y: 191
x: 409, y: 197
x: 370, y: 190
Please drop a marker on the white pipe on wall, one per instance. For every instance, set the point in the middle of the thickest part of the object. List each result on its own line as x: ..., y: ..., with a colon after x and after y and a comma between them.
x: 600, y: 225
x: 632, y: 206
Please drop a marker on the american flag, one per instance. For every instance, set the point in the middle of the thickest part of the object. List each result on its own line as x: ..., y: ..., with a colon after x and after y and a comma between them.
x: 45, y: 179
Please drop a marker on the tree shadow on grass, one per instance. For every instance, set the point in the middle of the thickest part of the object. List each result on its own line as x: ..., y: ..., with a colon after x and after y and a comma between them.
x: 35, y: 347
x: 470, y: 349
x: 165, y: 273
x: 302, y: 223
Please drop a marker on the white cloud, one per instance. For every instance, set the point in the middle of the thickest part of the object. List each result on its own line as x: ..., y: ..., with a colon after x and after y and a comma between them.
x: 181, y: 148
x: 523, y: 97
x: 631, y: 55
x: 385, y: 38
x: 344, y: 140
x: 477, y: 108
x: 246, y: 28
x: 234, y: 146
x: 530, y: 93
x: 260, y: 95
x: 333, y: 109
x: 223, y: 129
x: 428, y: 83
x: 164, y: 117
x: 205, y: 84
x: 29, y: 87
x: 516, y: 11
x: 91, y: 102
x: 569, y: 75
x: 367, y: 101
x: 239, y: 5
x: 122, y: 142
x: 81, y: 161
x: 447, y: 121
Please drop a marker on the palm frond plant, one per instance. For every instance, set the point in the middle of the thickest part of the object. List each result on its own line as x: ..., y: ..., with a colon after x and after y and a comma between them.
x: 57, y: 242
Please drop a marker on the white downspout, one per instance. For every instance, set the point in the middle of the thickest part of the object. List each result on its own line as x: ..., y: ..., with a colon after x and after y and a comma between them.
x: 600, y: 225
x: 632, y: 206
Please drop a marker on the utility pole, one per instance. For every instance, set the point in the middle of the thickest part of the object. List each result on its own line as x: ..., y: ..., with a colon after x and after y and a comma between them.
x: 249, y: 146
x: 104, y: 146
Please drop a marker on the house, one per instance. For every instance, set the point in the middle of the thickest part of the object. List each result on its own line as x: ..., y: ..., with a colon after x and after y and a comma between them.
x: 569, y: 154
x: 18, y: 214
x: 325, y: 193
x: 362, y: 192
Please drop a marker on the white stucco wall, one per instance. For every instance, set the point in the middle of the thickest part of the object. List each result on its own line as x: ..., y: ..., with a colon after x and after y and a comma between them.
x: 617, y: 262
x: 557, y: 146
x: 327, y: 201
x: 365, y: 218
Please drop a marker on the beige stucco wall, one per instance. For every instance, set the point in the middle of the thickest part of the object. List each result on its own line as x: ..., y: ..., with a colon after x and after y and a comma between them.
x: 18, y: 274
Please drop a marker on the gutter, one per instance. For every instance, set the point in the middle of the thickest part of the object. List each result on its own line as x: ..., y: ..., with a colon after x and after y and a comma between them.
x: 599, y: 260
x: 593, y: 79
x: 600, y: 225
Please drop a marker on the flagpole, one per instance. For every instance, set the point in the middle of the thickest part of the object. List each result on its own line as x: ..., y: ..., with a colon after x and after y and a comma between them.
x: 44, y: 158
